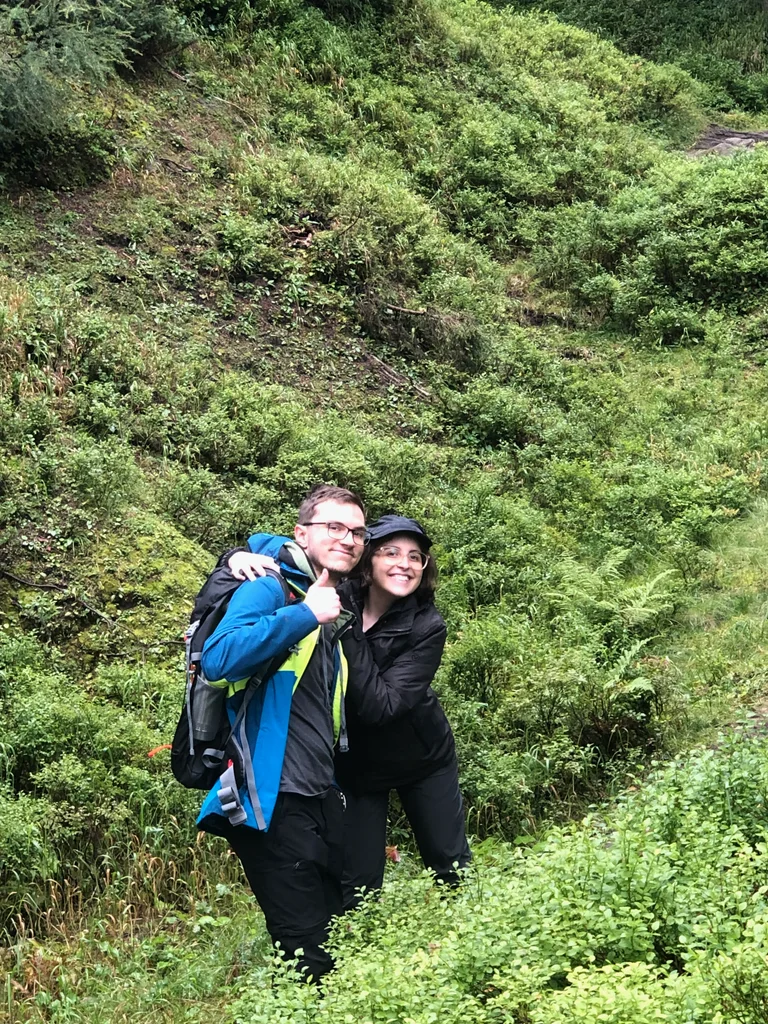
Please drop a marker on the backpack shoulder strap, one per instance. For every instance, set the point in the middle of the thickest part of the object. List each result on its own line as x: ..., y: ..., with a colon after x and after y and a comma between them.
x: 291, y: 591
x: 288, y: 594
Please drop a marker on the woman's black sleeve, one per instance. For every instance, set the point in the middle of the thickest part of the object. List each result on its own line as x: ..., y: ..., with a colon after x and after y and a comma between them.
x: 380, y: 697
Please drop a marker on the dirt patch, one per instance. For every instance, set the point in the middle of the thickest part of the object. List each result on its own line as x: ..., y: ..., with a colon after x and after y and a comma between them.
x: 720, y: 141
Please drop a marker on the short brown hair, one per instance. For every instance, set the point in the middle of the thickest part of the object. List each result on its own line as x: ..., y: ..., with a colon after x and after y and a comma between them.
x: 363, y: 569
x: 327, y: 492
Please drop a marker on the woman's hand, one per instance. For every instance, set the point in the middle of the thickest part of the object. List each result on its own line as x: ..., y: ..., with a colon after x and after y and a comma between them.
x: 244, y: 565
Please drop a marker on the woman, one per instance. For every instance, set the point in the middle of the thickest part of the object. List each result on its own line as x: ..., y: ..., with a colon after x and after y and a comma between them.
x: 399, y: 737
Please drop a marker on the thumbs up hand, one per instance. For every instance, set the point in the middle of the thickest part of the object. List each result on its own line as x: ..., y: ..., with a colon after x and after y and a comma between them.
x: 322, y: 599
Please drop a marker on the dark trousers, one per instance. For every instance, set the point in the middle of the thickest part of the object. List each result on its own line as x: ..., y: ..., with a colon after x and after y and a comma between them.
x: 435, y: 811
x: 294, y: 870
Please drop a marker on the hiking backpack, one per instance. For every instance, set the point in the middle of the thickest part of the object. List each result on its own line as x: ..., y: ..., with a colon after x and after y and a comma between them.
x: 204, y: 743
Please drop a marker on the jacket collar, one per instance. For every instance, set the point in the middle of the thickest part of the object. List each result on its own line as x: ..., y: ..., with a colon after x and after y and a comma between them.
x: 399, y: 616
x: 294, y: 556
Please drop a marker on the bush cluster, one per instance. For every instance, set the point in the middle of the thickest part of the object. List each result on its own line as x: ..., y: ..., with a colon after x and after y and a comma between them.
x: 52, y: 53
x: 656, y: 914
x: 662, y: 256
x: 77, y: 789
x: 722, y: 44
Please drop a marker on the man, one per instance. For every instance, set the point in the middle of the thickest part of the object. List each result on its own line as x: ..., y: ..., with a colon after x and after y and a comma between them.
x: 285, y: 821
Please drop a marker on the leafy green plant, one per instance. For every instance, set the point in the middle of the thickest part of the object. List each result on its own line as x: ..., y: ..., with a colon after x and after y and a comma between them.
x: 104, y: 476
x: 721, y: 44
x: 664, y: 252
x: 593, y: 922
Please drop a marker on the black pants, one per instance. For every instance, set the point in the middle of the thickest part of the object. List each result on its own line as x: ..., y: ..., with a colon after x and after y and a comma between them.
x: 294, y: 870
x: 435, y: 811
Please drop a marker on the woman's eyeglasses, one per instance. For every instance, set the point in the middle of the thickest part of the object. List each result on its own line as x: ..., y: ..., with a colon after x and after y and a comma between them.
x: 390, y: 553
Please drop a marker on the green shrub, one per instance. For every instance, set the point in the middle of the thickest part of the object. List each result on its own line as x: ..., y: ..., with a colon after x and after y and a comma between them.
x: 661, y: 253
x: 83, y: 788
x: 244, y: 426
x: 623, y: 993
x: 213, y: 514
x: 723, y: 44
x: 151, y: 692
x: 28, y: 860
x: 104, y: 476
x: 155, y: 30
x: 740, y: 978
x: 490, y: 545
x: 370, y: 233
x: 656, y: 913
x: 486, y: 414
x: 390, y: 474
x: 213, y: 15
x: 248, y: 247
x: 32, y: 419
x: 541, y: 709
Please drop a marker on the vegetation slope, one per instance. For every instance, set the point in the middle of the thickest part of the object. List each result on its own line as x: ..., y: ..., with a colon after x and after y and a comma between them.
x: 452, y: 257
x: 722, y: 43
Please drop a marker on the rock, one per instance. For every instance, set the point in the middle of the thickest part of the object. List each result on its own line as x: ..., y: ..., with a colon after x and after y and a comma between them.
x: 719, y: 141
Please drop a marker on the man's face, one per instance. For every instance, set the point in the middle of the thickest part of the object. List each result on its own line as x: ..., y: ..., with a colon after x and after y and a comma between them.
x: 338, y: 553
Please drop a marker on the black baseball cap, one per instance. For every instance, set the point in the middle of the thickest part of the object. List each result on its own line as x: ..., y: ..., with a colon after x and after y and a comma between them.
x: 389, y: 526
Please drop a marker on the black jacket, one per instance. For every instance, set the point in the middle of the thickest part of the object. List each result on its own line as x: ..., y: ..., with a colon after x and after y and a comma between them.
x: 398, y: 732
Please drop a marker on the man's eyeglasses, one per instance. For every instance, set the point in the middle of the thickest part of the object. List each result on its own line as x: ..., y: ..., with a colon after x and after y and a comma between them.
x: 390, y: 553
x: 338, y: 531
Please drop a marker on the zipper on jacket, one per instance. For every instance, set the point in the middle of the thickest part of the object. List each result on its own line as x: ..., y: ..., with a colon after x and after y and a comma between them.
x: 343, y: 735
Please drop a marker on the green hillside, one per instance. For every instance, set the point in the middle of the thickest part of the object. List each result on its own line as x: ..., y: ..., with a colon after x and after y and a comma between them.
x: 454, y: 257
x: 721, y: 42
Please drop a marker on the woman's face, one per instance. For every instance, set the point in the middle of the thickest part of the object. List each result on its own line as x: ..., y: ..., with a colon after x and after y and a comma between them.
x: 397, y: 565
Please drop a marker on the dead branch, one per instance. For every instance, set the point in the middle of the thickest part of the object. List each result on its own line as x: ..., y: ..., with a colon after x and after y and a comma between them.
x: 394, y: 377
x: 404, y: 309
x: 67, y: 593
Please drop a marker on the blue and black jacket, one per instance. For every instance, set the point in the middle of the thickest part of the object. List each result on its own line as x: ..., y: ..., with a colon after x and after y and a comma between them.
x: 260, y: 624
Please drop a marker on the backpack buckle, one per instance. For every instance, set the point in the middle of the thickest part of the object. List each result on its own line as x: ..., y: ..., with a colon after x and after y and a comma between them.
x: 229, y: 797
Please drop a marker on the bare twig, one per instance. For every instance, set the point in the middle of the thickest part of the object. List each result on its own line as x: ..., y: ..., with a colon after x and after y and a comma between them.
x: 404, y: 309
x: 175, y: 74
x: 348, y: 227
x: 175, y: 163
x: 67, y: 593
x: 31, y: 583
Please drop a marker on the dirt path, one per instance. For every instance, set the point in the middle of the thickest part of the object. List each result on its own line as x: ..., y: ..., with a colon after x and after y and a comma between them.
x: 719, y: 141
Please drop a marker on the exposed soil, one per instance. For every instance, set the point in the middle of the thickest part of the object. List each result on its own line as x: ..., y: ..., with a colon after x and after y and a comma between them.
x: 720, y: 141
